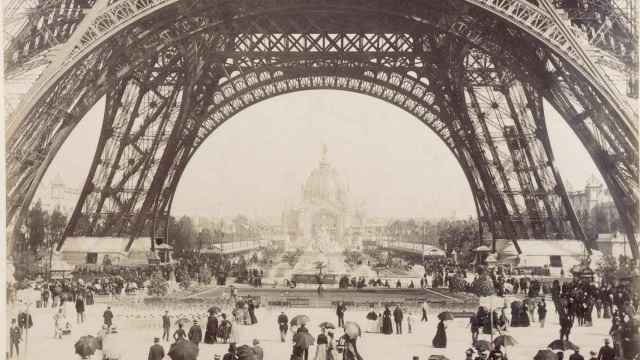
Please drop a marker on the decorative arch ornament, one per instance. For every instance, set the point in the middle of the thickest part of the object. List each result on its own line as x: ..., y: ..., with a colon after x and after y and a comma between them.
x: 172, y: 71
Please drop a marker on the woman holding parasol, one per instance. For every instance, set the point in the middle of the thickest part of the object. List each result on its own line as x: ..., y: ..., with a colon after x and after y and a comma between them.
x: 440, y: 340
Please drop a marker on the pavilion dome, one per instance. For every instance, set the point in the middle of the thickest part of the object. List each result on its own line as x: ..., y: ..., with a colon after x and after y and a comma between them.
x: 324, y: 185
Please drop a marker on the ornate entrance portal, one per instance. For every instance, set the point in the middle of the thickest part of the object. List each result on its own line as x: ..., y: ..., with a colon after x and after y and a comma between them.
x: 475, y: 72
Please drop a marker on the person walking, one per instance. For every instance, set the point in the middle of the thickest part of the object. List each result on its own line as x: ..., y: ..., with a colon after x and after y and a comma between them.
x: 425, y: 310
x: 108, y: 316
x: 166, y: 326
x: 397, y: 318
x: 156, y: 351
x: 440, y: 340
x: 410, y: 321
x: 195, y: 333
x: 340, y: 310
x: 387, y: 326
x: 321, y: 345
x: 542, y: 312
x: 211, y: 333
x: 180, y: 334
x: 14, y: 338
x: 79, y: 309
x: 283, y: 325
x: 252, y: 312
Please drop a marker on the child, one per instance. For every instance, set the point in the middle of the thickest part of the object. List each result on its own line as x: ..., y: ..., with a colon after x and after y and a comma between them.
x: 409, y: 321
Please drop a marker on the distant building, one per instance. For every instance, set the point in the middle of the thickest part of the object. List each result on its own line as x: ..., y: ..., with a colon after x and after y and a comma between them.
x: 594, y: 207
x: 58, y: 195
x: 324, y: 212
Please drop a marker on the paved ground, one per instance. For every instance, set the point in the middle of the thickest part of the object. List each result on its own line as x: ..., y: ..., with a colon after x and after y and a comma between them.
x: 137, y: 334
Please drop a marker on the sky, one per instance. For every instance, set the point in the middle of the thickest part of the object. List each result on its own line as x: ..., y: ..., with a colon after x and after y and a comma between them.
x: 257, y: 162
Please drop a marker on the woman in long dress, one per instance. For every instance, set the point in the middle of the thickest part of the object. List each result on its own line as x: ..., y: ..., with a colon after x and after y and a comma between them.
x: 372, y: 320
x: 252, y: 312
x: 524, y: 315
x: 321, y: 346
x: 440, y: 340
x: 387, y: 325
x: 212, y: 330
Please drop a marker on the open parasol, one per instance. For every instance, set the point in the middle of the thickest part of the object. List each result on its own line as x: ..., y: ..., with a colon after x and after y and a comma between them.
x: 445, y: 315
x: 86, y: 346
x: 184, y: 321
x: 303, y: 339
x: 562, y: 345
x: 505, y: 340
x: 245, y: 352
x: 327, y: 325
x: 299, y: 320
x: 352, y: 329
x: 545, y: 354
x: 183, y: 350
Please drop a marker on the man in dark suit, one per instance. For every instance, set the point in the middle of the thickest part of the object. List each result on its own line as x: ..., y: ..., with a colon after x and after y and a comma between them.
x: 195, y: 333
x: 340, y: 310
x: 166, y: 326
x: 156, y: 351
x: 108, y: 316
x: 283, y: 325
x: 397, y: 317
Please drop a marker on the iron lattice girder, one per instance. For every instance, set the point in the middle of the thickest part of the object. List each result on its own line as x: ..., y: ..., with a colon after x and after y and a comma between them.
x: 506, y: 47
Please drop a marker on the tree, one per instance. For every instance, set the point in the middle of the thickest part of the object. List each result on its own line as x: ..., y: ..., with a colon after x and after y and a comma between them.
x: 204, y: 238
x: 56, y: 226
x: 36, y: 225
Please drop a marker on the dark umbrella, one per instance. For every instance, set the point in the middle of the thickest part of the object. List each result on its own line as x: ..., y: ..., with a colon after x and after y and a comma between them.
x: 438, y: 357
x: 184, y: 321
x: 352, y: 329
x: 86, y: 346
x: 505, y: 340
x: 245, y: 352
x: 445, y: 315
x: 214, y: 310
x: 184, y: 350
x: 483, y: 345
x: 327, y: 325
x: 303, y: 339
x: 545, y: 355
x: 562, y: 345
x: 299, y: 320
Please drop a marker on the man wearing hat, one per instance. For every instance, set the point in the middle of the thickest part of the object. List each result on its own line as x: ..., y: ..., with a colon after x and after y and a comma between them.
x: 108, y: 316
x: 606, y: 352
x: 195, y: 333
x: 166, y: 325
x: 283, y: 325
x: 576, y: 355
x: 156, y: 351
x: 593, y: 355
